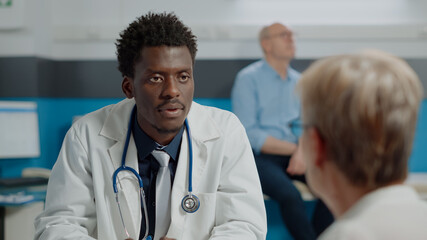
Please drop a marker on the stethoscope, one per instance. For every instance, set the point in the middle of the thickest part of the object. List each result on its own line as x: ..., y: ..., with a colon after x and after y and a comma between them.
x: 190, y: 203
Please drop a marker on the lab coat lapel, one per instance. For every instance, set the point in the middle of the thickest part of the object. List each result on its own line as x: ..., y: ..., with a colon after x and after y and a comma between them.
x: 200, y: 155
x: 128, y: 186
x: 179, y: 190
x: 116, y: 127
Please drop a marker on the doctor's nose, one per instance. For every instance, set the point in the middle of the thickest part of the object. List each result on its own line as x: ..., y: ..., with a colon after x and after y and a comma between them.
x: 170, y: 88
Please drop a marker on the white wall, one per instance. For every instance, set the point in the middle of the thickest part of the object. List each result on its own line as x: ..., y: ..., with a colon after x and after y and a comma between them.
x: 82, y: 29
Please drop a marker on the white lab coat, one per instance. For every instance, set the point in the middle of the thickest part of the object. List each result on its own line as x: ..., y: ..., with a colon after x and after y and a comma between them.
x: 80, y: 202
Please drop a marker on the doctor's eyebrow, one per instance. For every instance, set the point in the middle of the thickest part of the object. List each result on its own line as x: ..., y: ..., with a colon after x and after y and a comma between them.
x: 177, y: 70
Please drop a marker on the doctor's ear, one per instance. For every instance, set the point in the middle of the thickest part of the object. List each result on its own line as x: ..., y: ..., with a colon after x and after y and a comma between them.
x: 127, y: 87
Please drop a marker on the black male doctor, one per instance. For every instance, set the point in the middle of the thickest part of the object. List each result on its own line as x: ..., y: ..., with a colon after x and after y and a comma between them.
x: 111, y: 150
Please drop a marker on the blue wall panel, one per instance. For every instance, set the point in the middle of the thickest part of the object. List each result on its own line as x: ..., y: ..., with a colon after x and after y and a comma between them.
x: 56, y: 115
x: 418, y: 160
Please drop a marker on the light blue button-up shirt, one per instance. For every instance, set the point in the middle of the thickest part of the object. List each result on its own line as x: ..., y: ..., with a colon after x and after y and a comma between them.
x: 265, y: 103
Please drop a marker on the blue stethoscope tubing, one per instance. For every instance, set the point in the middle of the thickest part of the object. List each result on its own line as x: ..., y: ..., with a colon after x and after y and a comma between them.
x: 190, y: 203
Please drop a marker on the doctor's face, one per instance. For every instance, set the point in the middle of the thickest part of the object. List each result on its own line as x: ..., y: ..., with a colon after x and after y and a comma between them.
x: 163, y: 89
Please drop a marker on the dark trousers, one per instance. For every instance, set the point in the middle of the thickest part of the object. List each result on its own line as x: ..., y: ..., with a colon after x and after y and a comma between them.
x: 277, y: 184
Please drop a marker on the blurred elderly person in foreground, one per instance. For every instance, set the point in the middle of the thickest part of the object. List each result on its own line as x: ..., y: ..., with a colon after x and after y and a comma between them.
x: 359, y: 116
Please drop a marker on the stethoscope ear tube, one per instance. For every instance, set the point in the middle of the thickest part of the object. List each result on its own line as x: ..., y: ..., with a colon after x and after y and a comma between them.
x: 190, y: 203
x: 190, y: 158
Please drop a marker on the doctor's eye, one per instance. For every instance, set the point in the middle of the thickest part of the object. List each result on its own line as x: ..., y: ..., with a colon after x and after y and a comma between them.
x: 156, y: 79
x: 184, y: 78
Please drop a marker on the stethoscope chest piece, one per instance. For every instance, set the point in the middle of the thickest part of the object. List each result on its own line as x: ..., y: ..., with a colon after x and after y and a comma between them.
x: 190, y: 203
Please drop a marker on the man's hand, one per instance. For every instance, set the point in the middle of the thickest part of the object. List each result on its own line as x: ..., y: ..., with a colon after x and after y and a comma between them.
x: 297, y: 164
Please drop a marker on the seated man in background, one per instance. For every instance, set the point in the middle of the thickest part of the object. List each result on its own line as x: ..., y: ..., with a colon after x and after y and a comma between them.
x: 359, y: 116
x: 263, y: 98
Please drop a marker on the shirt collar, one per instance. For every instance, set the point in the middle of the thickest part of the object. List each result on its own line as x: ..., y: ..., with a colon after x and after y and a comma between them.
x: 269, y: 68
x: 145, y: 144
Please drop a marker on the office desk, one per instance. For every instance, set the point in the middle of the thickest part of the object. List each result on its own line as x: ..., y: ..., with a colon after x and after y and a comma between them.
x: 17, y: 217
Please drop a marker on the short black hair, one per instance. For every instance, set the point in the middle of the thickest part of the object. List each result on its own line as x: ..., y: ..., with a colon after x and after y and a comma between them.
x: 152, y: 30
